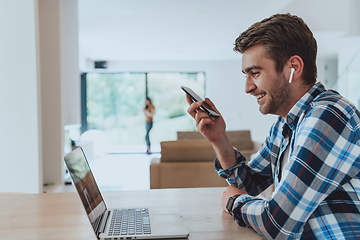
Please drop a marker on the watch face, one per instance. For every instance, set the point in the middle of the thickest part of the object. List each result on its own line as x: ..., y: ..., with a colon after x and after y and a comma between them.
x: 230, y: 204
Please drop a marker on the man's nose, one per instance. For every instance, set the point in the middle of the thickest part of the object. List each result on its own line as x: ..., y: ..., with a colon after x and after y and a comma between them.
x: 250, y: 85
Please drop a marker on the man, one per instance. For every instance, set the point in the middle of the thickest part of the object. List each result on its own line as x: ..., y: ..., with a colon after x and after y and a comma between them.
x: 312, y: 153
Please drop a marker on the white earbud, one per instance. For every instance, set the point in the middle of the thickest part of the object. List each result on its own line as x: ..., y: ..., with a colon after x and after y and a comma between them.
x: 291, y: 74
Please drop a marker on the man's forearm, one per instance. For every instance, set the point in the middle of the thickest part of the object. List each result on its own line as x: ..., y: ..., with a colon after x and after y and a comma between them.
x: 224, y: 152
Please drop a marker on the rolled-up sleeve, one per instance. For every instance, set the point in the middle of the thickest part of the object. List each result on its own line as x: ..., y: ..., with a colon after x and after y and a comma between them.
x: 253, y: 177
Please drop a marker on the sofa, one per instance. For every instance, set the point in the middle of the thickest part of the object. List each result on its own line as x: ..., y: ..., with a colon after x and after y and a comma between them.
x: 189, y: 161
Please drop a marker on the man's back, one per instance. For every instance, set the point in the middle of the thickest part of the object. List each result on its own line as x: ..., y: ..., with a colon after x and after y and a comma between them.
x: 338, y: 146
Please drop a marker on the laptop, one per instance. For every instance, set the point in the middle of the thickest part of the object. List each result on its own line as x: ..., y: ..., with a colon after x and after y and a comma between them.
x: 136, y: 223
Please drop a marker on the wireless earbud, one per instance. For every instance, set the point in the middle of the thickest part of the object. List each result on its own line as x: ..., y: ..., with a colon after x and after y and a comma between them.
x: 291, y: 74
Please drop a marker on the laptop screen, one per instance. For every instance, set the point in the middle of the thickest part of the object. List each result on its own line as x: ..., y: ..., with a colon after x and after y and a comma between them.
x: 85, y: 185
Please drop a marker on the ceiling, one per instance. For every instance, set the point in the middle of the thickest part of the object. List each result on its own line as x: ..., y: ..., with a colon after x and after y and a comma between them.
x: 176, y: 29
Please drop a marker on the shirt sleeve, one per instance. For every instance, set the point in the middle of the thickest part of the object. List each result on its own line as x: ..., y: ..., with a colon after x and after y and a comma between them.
x: 253, y: 177
x: 324, y: 157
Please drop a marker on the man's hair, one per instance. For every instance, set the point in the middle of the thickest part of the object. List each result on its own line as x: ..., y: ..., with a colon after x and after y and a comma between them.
x: 282, y: 36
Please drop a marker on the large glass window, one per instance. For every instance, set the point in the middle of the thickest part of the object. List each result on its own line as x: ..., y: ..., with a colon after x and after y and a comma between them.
x: 114, y: 105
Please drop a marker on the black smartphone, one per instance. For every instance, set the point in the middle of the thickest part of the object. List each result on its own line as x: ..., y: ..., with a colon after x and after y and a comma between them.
x: 195, y: 98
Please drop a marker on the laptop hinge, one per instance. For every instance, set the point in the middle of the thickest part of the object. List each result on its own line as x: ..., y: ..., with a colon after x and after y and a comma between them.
x: 103, y: 222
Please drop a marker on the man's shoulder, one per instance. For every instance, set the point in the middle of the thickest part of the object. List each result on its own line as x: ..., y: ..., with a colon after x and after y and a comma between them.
x: 331, y: 100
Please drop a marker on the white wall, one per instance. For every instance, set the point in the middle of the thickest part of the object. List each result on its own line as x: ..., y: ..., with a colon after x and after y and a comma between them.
x: 20, y: 139
x: 327, y: 72
x: 38, y: 63
x: 349, y: 70
x: 223, y: 85
x: 167, y: 30
x: 69, y: 49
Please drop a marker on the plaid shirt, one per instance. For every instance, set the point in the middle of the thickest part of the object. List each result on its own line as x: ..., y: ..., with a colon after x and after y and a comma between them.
x: 319, y: 193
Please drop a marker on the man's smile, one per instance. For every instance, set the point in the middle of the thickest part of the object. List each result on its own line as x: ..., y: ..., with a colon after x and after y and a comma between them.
x: 259, y: 97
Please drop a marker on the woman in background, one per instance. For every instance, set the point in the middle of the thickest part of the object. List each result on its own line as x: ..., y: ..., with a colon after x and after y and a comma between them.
x: 149, y: 112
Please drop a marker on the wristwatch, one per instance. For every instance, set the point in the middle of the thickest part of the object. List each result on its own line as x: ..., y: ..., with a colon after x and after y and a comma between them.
x: 230, y: 203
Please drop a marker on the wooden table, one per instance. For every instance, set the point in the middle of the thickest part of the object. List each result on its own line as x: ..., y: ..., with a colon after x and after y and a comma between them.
x: 61, y: 215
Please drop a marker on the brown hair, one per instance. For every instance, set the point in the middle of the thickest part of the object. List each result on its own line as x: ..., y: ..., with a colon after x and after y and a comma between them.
x: 283, y: 35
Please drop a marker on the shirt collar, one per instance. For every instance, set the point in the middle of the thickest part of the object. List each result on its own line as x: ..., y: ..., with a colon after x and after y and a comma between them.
x: 303, y: 103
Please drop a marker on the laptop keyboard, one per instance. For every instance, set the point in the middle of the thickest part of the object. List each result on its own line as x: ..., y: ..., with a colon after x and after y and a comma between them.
x: 130, y: 222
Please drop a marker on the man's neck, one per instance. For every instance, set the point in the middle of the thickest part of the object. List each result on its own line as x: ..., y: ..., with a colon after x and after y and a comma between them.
x: 296, y: 94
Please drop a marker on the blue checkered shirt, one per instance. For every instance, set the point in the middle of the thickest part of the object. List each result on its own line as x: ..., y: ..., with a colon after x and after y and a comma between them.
x: 318, y: 195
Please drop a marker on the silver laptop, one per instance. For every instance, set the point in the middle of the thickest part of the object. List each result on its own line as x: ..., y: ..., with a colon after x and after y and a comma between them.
x: 136, y: 223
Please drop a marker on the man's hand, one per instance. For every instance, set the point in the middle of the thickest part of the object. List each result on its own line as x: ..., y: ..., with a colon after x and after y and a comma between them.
x: 211, y: 128
x: 229, y: 192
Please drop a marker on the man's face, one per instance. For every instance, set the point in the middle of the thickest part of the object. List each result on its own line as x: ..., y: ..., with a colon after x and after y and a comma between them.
x: 263, y: 81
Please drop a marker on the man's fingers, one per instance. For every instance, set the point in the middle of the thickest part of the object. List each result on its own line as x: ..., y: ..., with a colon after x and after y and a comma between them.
x: 204, y: 123
x: 193, y: 109
x: 200, y: 115
x: 211, y: 104
x: 232, y: 190
x: 188, y: 99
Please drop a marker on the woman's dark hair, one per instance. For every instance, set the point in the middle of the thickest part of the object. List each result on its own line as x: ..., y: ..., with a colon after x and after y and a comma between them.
x: 283, y: 36
x: 147, y: 99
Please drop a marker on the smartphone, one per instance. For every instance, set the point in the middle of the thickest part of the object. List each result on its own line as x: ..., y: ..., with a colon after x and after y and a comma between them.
x: 195, y: 98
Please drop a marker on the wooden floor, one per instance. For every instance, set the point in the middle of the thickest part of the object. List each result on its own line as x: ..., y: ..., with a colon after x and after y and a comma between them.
x: 117, y: 172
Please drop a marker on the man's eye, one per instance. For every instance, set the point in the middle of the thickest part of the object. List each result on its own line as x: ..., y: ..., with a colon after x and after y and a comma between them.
x: 255, y: 74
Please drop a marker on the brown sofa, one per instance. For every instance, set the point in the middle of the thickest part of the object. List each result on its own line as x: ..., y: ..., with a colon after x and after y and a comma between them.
x: 189, y: 161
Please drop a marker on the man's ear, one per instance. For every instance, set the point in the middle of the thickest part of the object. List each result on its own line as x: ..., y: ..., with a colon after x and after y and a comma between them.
x: 294, y: 67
